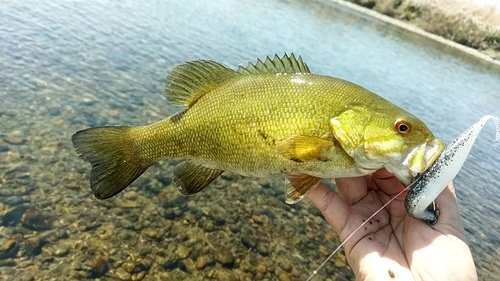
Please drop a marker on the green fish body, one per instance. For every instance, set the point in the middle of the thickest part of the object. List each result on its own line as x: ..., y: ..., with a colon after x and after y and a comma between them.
x: 269, y: 118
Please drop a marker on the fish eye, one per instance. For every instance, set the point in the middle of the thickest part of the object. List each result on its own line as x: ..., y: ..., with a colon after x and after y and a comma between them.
x: 402, y: 126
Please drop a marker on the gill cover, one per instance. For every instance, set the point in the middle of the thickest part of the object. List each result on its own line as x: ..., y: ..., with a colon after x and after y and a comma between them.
x: 349, y: 128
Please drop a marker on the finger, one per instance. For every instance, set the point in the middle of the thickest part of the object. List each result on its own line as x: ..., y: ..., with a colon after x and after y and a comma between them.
x: 352, y: 189
x: 451, y: 186
x: 448, y: 206
x: 331, y: 205
x: 386, y: 182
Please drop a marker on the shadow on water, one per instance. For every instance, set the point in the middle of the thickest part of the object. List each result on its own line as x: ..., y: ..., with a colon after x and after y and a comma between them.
x: 69, y: 65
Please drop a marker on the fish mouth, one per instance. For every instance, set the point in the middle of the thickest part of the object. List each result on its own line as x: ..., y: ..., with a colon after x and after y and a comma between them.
x: 421, y: 157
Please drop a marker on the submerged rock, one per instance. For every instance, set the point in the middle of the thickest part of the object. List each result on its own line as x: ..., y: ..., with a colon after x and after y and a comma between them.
x: 13, y: 216
x: 15, y: 138
x: 34, y: 220
x: 225, y: 257
x: 8, y: 248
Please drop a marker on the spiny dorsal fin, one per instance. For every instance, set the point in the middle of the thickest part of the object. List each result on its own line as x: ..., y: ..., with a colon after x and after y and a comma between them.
x: 188, y: 82
x: 286, y: 64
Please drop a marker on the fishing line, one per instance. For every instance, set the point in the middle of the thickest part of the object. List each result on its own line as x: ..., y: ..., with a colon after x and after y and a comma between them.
x: 348, y: 237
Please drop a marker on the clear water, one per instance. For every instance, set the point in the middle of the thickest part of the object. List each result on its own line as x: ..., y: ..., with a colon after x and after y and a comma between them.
x: 67, y: 65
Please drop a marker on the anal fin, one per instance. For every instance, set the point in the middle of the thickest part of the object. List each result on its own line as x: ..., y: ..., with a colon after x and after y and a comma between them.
x: 190, y: 178
x: 298, y: 186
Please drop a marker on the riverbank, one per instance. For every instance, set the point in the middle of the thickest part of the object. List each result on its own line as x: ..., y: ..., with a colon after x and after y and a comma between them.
x: 470, y: 23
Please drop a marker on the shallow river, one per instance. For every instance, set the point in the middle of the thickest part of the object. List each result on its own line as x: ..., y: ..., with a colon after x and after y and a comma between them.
x: 67, y: 65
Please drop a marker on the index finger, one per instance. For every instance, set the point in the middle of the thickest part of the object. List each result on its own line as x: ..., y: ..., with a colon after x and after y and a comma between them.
x: 331, y: 205
x: 386, y: 182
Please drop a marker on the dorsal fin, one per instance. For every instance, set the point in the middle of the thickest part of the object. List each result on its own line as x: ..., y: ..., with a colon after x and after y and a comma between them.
x: 187, y: 82
x: 286, y: 64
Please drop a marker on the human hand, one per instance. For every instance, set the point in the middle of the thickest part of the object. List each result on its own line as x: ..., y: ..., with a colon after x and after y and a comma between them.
x: 394, y: 246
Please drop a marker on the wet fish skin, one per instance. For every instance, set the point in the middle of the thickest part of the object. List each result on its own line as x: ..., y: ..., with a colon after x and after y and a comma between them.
x: 425, y: 189
x: 269, y: 118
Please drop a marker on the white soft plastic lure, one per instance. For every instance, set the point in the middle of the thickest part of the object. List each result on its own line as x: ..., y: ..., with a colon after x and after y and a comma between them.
x: 426, y: 188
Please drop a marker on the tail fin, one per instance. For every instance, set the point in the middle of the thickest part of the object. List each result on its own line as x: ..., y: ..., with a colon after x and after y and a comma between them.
x: 109, y: 150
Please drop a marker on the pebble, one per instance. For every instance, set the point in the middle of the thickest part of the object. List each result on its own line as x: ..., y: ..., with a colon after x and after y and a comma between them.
x: 210, y: 259
x: 54, y: 235
x: 31, y: 246
x: 121, y: 274
x: 99, y: 266
x: 129, y: 266
x: 30, y: 273
x: 264, y: 182
x: 323, y: 250
x: 208, y: 226
x: 88, y: 98
x: 41, y: 84
x: 283, y: 276
x: 284, y: 263
x: 225, y: 257
x: 143, y: 264
x: 7, y: 262
x: 130, y: 195
x: 12, y: 200
x: 296, y: 272
x: 219, y: 219
x: 61, y: 249
x: 263, y: 249
x: 34, y: 220
x: 340, y: 260
x: 258, y: 219
x: 221, y: 274
x: 4, y: 148
x: 15, y: 138
x: 144, y: 249
x: 248, y: 241
x: 318, y: 220
x: 188, y: 265
x: 201, y: 261
x: 9, y: 249
x: 182, y: 251
x: 123, y: 202
x: 55, y: 111
x: 262, y: 268
x: 330, y: 235
x: 170, y: 263
x: 13, y: 216
x: 151, y: 232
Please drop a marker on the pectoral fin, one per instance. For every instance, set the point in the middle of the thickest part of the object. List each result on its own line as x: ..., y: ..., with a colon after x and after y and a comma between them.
x: 304, y: 148
x: 299, y: 185
x: 190, y: 178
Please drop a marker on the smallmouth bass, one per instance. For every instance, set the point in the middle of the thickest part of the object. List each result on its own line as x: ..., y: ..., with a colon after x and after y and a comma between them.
x: 267, y: 118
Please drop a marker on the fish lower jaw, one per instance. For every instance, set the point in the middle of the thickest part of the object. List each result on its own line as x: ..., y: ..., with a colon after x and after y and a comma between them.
x: 421, y: 157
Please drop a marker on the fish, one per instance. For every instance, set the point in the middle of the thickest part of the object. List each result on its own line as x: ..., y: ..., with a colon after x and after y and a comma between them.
x: 270, y: 117
x: 428, y: 185
x: 425, y: 189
